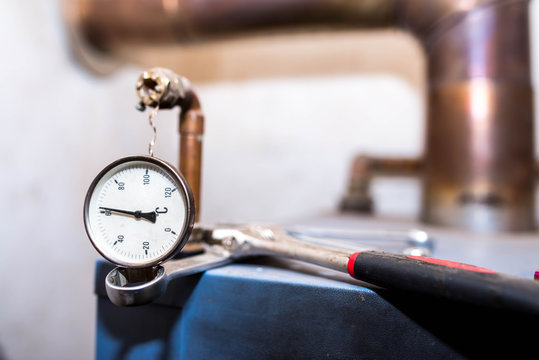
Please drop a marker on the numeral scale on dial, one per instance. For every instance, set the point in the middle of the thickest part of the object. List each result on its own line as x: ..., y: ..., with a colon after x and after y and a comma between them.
x: 150, y: 216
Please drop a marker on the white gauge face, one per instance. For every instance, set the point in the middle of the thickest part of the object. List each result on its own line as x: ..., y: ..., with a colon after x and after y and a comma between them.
x: 138, y: 212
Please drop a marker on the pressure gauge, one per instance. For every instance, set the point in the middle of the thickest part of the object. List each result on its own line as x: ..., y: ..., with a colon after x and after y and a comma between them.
x: 138, y: 212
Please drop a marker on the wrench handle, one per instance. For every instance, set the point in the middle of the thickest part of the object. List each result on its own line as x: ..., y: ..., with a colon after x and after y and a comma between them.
x: 446, y: 279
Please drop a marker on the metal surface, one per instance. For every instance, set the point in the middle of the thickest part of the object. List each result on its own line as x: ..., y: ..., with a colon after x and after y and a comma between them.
x: 478, y: 168
x: 162, y: 88
x: 127, y: 288
x: 411, y: 242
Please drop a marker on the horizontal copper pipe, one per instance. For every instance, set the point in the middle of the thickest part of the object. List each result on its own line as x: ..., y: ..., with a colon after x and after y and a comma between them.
x: 107, y: 24
x: 395, y: 166
x: 364, y: 169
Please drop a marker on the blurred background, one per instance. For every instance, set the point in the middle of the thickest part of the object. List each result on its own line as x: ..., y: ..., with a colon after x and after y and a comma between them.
x: 285, y: 116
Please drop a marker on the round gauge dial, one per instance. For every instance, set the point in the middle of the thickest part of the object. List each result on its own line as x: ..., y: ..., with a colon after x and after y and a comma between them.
x: 139, y: 211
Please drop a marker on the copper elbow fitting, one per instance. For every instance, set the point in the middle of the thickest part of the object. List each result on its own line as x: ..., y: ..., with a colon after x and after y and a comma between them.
x: 162, y: 87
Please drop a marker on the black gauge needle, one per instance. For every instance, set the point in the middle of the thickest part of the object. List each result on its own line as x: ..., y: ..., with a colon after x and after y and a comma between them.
x: 150, y: 216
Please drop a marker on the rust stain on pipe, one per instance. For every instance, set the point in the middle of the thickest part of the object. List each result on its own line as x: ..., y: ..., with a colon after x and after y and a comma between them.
x: 478, y: 162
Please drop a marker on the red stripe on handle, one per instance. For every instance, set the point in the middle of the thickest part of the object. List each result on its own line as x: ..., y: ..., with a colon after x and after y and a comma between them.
x: 451, y: 264
x: 351, y: 263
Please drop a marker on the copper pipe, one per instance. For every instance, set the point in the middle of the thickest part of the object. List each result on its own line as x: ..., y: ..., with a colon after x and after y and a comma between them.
x: 109, y: 24
x: 479, y: 166
x: 191, y: 134
x: 480, y: 148
x: 358, y: 197
x: 163, y: 88
x: 364, y: 169
x: 395, y: 166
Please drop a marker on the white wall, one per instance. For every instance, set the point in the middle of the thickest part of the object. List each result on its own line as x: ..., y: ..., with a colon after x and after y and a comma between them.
x: 284, y: 156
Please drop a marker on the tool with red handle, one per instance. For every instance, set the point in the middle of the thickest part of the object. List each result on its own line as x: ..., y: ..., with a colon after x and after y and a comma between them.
x: 415, y: 274
x: 446, y: 279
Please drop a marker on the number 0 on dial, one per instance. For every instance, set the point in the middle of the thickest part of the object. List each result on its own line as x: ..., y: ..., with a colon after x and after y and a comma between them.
x: 139, y: 211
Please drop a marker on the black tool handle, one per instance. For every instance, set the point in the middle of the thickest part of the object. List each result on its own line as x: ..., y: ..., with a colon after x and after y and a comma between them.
x: 446, y: 279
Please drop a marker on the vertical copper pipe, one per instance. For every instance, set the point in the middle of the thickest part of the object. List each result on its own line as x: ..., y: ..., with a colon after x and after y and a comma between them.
x: 191, y: 132
x: 479, y: 163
